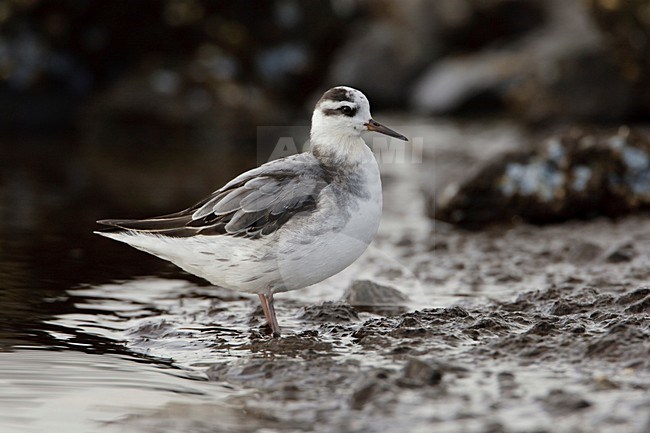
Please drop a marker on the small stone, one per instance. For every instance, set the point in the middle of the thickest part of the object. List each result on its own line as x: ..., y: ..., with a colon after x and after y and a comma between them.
x: 367, y: 295
x: 561, y: 401
x: 362, y: 395
x: 621, y: 254
x: 418, y: 373
x: 584, y: 252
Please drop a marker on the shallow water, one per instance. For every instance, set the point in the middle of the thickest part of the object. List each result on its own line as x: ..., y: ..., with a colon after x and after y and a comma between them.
x: 59, y: 391
x: 513, y: 329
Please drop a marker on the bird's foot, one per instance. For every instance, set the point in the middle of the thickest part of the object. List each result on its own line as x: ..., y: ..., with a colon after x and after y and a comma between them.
x: 267, y: 329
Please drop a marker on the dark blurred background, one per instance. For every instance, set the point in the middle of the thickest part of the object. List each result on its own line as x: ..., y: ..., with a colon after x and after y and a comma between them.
x: 74, y: 65
x: 67, y: 65
x: 131, y: 108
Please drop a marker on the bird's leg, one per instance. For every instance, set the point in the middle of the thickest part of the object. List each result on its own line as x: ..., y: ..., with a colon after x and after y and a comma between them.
x: 269, y: 313
x: 275, y: 327
x: 265, y: 308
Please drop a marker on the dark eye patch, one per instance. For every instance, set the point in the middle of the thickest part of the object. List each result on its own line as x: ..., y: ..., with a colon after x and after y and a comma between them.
x: 348, y: 111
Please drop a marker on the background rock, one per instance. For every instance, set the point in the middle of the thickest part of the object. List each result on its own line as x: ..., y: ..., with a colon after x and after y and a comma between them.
x: 555, y: 70
x: 626, y: 27
x: 381, y: 57
x: 54, y: 57
x: 577, y: 174
x: 540, y: 61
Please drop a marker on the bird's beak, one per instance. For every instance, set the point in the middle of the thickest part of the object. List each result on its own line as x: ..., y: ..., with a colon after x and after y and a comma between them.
x: 378, y: 127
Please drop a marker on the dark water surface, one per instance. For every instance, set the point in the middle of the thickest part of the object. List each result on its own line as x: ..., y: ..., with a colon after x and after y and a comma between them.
x: 517, y: 329
x: 77, y: 374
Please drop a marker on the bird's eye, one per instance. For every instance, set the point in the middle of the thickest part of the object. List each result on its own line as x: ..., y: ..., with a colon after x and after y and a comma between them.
x: 346, y: 110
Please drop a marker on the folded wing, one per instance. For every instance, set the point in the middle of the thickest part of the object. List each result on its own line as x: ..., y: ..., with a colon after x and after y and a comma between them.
x: 256, y: 203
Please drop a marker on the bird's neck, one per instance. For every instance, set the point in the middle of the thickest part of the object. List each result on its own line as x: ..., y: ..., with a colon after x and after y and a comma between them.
x: 340, y: 150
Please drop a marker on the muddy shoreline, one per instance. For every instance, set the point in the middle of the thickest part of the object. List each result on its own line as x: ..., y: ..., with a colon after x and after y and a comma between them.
x: 515, y: 328
x: 563, y: 347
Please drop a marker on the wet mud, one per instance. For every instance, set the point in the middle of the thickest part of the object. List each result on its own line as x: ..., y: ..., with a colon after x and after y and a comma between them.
x: 560, y: 354
x: 550, y: 334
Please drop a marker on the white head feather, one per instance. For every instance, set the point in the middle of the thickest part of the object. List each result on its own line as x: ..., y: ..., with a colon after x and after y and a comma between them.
x: 340, y: 117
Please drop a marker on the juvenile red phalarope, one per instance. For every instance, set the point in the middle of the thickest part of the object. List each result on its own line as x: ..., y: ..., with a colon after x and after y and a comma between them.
x: 285, y: 225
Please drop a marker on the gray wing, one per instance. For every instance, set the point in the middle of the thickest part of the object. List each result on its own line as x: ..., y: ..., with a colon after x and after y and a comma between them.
x: 254, y: 204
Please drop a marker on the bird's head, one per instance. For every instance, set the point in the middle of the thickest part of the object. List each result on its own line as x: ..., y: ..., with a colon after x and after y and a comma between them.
x: 345, y: 112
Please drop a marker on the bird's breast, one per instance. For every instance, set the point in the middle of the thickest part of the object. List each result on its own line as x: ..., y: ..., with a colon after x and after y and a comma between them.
x: 326, y: 241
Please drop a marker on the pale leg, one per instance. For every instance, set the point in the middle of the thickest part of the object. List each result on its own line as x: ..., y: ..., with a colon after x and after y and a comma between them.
x: 269, y: 313
x: 265, y: 308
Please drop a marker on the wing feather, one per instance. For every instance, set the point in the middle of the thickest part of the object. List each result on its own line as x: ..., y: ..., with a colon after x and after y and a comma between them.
x: 225, y: 204
x: 256, y: 203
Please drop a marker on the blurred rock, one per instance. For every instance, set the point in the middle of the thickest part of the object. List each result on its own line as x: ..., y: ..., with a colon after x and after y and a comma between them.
x: 396, y: 41
x: 556, y: 71
x: 41, y: 88
x: 365, y: 393
x: 582, y: 252
x: 418, y: 373
x: 626, y: 27
x: 565, y: 402
x: 386, y: 50
x: 197, y: 102
x: 451, y: 159
x: 54, y: 56
x: 452, y: 83
x: 471, y: 25
x: 621, y: 253
x: 577, y: 174
x: 574, y: 86
x: 366, y: 295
